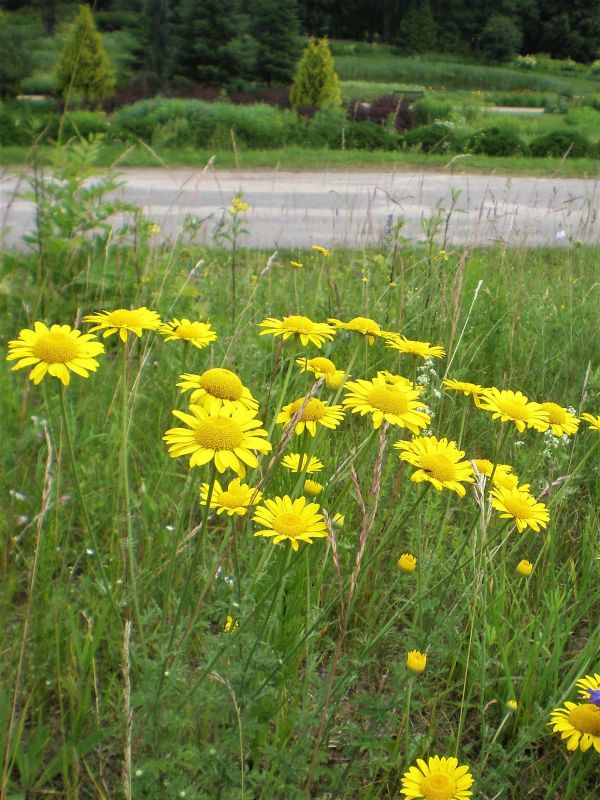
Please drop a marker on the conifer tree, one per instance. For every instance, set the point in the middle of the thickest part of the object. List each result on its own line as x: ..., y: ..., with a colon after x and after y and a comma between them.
x: 84, y: 66
x: 316, y: 81
x: 417, y: 32
x: 275, y: 29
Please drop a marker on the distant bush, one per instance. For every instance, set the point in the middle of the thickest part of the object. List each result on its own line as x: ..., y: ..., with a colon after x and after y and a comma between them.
x: 430, y: 109
x: 558, y: 143
x: 370, y: 136
x: 439, y: 137
x: 39, y: 83
x: 326, y: 128
x: 23, y: 123
x: 497, y: 140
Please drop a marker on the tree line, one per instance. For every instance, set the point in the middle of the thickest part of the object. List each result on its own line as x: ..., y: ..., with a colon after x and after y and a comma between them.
x: 230, y: 43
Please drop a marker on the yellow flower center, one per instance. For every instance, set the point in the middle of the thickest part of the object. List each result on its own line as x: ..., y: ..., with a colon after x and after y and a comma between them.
x: 514, y: 408
x: 232, y: 498
x: 363, y: 325
x: 388, y: 399
x: 219, y: 433
x: 298, y: 324
x: 221, y: 383
x: 55, y: 348
x: 321, y: 364
x: 288, y: 524
x: 586, y: 718
x: 438, y: 466
x: 124, y: 318
x: 438, y: 787
x: 186, y: 331
x: 517, y: 506
x: 556, y: 414
x: 314, y: 411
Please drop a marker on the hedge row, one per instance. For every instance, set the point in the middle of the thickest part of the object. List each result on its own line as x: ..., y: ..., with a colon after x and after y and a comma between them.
x: 190, y: 123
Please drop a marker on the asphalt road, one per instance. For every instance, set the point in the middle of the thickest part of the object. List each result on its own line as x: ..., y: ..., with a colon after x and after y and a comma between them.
x: 349, y: 209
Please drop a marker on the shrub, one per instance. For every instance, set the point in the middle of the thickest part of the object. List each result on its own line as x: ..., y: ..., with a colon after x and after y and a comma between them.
x: 327, y: 128
x: 439, y: 137
x: 370, y: 136
x: 176, y: 132
x: 417, y: 32
x: 84, y: 66
x: 430, y: 109
x: 498, y: 140
x: 14, y: 58
x: 558, y: 143
x: 316, y: 81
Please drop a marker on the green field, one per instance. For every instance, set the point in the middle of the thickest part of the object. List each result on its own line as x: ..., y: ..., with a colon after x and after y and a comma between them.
x: 154, y: 650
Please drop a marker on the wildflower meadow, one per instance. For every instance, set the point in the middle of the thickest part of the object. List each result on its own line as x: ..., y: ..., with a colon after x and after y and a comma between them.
x: 310, y: 524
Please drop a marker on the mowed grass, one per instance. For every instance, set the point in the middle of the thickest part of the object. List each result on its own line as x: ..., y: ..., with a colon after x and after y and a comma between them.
x: 298, y: 158
x: 119, y: 678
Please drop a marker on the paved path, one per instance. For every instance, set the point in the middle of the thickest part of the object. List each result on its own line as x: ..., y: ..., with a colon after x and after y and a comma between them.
x: 352, y: 209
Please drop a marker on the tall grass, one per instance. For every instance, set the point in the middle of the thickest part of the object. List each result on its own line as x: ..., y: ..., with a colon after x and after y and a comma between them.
x: 437, y: 73
x: 306, y: 694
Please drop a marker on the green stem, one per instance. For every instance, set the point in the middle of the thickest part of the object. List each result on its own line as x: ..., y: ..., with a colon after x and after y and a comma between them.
x: 131, y: 560
x: 81, y: 501
x: 187, y: 586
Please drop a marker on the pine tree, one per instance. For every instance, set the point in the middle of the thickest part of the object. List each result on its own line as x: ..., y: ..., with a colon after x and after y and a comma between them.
x: 14, y: 60
x: 84, y: 66
x: 275, y: 29
x: 417, y: 32
x: 316, y: 81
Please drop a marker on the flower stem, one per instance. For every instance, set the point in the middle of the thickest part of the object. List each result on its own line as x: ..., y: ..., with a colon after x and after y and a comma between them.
x: 125, y: 478
x: 80, y: 499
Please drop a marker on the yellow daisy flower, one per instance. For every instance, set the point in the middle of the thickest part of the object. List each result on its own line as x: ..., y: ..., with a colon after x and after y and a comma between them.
x: 503, y: 476
x: 396, y: 403
x: 292, y: 461
x: 236, y: 499
x: 437, y: 779
x: 217, y: 388
x: 594, y: 421
x: 473, y: 390
x: 390, y: 377
x: 314, y: 332
x: 524, y: 568
x: 413, y: 347
x: 589, y: 688
x: 322, y: 250
x: 416, y: 661
x: 520, y: 505
x: 294, y: 520
x: 227, y: 436
x: 312, y: 487
x: 508, y: 406
x: 439, y: 462
x: 124, y: 320
x: 579, y: 724
x: 561, y: 420
x: 407, y: 562
x: 200, y: 334
x: 363, y: 325
x: 297, y: 264
x: 333, y: 380
x: 315, y: 412
x: 319, y: 366
x: 54, y: 351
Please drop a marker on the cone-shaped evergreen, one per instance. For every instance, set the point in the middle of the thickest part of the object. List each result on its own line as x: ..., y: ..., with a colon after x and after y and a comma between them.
x: 316, y: 81
x: 84, y: 66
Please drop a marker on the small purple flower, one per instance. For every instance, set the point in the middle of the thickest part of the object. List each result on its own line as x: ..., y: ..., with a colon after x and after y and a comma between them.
x: 594, y: 697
